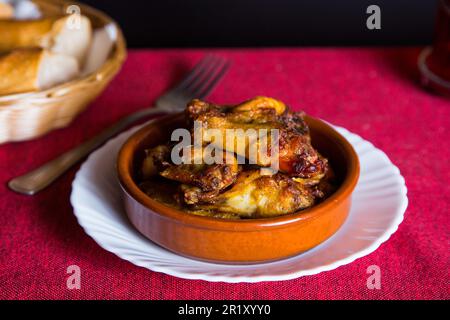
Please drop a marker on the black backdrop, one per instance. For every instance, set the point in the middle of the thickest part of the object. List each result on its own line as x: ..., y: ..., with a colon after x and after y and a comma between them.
x: 208, y: 23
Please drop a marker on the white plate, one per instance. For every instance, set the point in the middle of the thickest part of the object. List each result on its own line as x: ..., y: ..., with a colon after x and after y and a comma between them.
x: 379, y: 202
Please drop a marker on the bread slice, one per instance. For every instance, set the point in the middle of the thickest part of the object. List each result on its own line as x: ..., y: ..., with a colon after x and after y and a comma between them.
x: 69, y: 35
x: 23, y: 33
x: 25, y: 70
x: 6, y: 11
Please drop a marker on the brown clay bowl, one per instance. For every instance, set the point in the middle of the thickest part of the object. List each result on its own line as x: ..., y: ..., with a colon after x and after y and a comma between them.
x: 236, y: 241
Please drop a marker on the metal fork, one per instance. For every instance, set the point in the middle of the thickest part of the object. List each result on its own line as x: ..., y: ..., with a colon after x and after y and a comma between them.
x: 198, y: 83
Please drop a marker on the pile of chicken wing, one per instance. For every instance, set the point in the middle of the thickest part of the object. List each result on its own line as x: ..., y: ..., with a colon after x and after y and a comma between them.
x: 231, y: 189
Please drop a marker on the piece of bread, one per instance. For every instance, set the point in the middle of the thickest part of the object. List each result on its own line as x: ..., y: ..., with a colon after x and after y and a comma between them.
x: 23, y: 33
x: 25, y: 70
x: 6, y: 11
x: 68, y: 35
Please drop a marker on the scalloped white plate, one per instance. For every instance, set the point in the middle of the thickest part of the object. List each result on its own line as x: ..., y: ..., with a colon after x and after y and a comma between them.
x: 379, y: 202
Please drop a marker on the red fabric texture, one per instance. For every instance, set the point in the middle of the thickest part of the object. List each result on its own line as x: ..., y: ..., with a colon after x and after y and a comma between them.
x: 373, y: 92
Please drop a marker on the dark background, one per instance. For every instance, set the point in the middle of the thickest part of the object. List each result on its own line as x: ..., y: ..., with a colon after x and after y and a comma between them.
x: 247, y: 23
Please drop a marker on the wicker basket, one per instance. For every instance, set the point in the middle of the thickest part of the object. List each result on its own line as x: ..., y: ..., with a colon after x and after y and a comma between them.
x: 29, y: 115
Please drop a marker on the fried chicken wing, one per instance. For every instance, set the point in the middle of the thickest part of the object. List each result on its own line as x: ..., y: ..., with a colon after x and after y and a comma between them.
x: 155, y: 160
x: 206, y: 179
x: 254, y: 195
x: 296, y: 156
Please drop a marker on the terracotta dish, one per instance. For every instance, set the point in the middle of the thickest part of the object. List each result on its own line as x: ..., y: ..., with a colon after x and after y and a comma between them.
x: 236, y: 241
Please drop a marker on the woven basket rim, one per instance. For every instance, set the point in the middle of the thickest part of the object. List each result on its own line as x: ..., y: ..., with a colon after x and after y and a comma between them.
x: 109, y: 66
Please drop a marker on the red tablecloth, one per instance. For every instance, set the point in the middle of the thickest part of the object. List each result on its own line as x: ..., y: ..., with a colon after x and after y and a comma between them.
x: 372, y: 92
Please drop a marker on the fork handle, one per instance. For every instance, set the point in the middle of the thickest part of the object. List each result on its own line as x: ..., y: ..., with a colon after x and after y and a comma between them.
x: 36, y: 180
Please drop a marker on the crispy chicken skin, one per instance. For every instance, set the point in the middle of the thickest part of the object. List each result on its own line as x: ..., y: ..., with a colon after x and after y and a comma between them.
x: 297, y: 157
x: 259, y: 196
x: 207, y: 180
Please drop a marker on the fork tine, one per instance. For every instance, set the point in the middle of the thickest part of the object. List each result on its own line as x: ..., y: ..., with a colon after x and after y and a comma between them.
x: 194, y: 73
x: 203, y: 72
x: 208, y: 87
x: 204, y: 77
x: 197, y: 84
